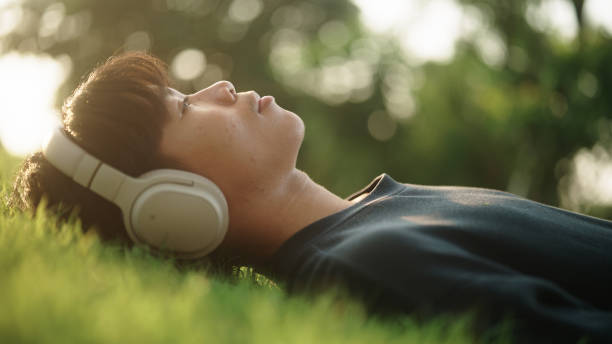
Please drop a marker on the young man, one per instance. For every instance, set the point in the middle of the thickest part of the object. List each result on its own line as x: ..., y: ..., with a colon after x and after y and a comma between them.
x: 400, y: 247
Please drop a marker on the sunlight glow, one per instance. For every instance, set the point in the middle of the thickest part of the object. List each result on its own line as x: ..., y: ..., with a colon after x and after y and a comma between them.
x: 8, y: 2
x: 590, y: 180
x: 188, y: 64
x: 432, y: 35
x: 383, y: 15
x: 554, y: 16
x: 28, y: 87
x: 599, y: 13
x: 244, y: 11
x: 428, y: 30
x: 10, y: 18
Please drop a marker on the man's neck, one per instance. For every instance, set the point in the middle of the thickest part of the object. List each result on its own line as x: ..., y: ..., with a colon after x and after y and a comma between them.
x: 262, y: 222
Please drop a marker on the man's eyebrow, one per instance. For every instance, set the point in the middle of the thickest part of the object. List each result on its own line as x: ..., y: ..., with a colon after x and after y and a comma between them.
x: 172, y: 91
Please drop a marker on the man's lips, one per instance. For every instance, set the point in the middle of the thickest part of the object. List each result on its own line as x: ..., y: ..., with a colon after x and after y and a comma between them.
x: 264, y: 102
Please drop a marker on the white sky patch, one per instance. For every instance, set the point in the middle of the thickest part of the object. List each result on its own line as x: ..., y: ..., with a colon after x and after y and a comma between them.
x: 8, y: 2
x: 428, y: 30
x: 433, y: 33
x: 590, y: 182
x: 27, y: 93
x: 383, y: 15
x: 599, y: 13
x: 554, y: 16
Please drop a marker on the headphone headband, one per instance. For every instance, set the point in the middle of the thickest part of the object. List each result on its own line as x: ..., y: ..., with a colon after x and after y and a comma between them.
x: 82, y: 167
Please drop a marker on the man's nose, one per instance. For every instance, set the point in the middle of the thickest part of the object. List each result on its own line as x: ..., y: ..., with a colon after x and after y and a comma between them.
x: 220, y: 90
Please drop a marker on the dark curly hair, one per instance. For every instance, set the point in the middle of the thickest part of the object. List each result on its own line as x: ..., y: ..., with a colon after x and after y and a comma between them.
x: 116, y: 114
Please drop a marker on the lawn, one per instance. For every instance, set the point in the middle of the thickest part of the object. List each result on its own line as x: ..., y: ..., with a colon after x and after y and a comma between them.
x: 60, y: 286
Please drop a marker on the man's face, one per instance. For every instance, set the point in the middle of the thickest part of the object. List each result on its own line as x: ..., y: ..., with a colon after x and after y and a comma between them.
x: 238, y: 140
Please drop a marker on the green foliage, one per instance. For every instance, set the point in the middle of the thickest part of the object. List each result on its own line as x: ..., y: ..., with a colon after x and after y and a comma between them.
x: 506, y: 127
x: 512, y: 126
x: 62, y: 286
x: 8, y: 166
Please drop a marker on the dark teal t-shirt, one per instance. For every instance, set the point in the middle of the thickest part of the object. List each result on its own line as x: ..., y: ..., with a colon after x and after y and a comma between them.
x: 406, y: 248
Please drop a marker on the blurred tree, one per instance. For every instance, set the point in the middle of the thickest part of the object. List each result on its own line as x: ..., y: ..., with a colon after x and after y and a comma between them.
x: 512, y: 125
x: 558, y: 92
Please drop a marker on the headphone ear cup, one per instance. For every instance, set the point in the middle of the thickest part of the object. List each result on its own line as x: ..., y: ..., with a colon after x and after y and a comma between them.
x: 168, y: 209
x: 190, y: 221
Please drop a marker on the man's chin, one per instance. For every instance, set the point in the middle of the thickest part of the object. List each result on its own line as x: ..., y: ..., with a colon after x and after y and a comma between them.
x: 301, y: 127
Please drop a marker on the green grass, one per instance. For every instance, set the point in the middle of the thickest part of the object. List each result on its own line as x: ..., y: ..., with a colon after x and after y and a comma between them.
x: 60, y: 286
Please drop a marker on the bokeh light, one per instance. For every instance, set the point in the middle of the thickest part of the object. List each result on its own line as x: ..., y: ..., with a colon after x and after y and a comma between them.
x: 51, y: 19
x: 139, y: 40
x: 334, y: 34
x: 28, y: 87
x: 244, y: 11
x: 381, y: 126
x: 188, y: 64
x: 563, y: 23
x: 588, y: 84
x: 590, y: 181
x: 428, y: 30
x: 599, y: 13
x: 10, y: 19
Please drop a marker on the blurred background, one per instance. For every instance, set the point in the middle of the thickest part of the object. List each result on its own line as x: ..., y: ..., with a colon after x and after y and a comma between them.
x: 514, y: 95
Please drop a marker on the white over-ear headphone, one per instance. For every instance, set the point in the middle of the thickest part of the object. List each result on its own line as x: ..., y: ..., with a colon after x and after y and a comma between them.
x: 170, y: 210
